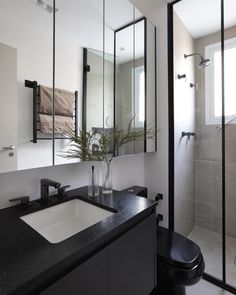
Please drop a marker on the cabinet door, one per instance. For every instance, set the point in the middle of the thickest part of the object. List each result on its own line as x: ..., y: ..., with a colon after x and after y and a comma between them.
x: 90, y: 278
x: 132, y: 260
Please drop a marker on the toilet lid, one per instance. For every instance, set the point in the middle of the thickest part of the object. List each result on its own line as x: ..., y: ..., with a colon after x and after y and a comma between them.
x: 177, y: 250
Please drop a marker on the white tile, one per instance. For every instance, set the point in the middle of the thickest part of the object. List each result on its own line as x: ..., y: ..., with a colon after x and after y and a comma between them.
x: 211, y: 247
x: 205, y: 288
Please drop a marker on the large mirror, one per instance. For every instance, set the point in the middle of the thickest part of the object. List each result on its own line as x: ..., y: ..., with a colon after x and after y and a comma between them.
x: 26, y: 53
x: 79, y: 25
x: 135, y: 82
x: 30, y: 135
x: 129, y: 88
x: 39, y: 61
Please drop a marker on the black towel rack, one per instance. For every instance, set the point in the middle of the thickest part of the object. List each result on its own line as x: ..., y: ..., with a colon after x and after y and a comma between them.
x: 34, y: 85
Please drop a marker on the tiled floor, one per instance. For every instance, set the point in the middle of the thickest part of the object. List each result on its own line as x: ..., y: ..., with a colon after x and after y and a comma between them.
x: 205, y: 288
x: 211, y: 246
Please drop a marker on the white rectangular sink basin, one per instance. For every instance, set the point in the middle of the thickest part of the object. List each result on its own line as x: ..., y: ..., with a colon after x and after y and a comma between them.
x: 62, y: 221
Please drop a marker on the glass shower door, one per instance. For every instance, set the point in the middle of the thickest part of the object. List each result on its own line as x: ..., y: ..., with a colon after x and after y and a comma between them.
x: 198, y: 130
x: 230, y: 139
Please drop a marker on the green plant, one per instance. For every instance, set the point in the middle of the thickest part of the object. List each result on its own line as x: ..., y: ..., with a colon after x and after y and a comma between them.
x: 97, y: 145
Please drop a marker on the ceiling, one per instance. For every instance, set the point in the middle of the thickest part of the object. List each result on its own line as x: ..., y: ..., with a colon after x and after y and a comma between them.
x: 125, y: 50
x: 203, y: 17
x: 78, y: 20
x: 148, y: 5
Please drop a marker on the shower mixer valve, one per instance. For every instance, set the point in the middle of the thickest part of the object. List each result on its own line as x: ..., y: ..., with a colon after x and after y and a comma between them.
x: 188, y: 134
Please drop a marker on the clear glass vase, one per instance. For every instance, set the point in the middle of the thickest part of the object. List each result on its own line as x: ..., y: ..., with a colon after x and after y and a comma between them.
x: 107, y: 176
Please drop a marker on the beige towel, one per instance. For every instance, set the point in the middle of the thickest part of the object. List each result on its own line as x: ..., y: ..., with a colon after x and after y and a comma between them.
x: 62, y: 124
x: 64, y: 101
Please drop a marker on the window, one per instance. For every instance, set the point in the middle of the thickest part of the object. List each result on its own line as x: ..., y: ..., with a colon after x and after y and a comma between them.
x: 213, y: 95
x: 139, y: 99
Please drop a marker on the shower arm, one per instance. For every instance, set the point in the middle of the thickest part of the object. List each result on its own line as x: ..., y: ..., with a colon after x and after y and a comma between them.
x: 195, y: 53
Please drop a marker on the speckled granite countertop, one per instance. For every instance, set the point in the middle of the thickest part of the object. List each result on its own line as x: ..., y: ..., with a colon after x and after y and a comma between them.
x: 29, y: 263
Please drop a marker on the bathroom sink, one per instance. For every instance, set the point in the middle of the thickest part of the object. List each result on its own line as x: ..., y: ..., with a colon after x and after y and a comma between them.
x: 62, y: 221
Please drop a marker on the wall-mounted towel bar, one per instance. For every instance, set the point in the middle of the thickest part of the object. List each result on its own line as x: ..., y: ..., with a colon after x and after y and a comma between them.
x: 35, y: 86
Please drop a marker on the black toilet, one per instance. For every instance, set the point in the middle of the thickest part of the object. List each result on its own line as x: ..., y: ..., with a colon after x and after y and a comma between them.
x: 179, y: 263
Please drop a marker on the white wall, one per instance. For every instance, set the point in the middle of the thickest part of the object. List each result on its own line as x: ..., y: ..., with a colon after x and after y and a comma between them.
x: 156, y: 164
x: 127, y: 171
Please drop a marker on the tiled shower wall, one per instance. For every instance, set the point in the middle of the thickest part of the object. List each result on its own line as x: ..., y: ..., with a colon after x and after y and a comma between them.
x: 208, y: 195
x: 208, y: 158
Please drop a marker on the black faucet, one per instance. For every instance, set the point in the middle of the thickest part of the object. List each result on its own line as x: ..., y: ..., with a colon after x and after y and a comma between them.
x: 44, y: 185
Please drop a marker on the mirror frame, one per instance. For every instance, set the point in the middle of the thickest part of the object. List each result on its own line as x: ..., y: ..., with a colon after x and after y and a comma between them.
x: 145, y: 71
x: 84, y: 103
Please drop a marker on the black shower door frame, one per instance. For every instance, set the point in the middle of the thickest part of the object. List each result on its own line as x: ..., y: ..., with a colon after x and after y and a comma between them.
x: 221, y: 283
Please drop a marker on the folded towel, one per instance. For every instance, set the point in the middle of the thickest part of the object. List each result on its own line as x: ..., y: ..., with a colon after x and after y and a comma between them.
x: 62, y: 124
x: 64, y: 101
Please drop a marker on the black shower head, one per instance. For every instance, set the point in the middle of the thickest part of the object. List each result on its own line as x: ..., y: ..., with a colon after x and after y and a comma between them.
x: 204, y: 61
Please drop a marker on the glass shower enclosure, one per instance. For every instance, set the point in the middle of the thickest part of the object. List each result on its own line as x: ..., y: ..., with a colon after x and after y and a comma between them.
x: 202, y: 105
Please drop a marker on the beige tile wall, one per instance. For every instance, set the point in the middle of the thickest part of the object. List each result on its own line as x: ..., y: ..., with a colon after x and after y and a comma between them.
x: 208, y: 158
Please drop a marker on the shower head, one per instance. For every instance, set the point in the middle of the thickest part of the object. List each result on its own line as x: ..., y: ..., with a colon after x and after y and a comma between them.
x: 204, y: 62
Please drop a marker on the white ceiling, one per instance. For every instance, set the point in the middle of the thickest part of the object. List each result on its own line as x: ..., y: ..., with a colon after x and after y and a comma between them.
x: 203, y: 17
x: 125, y: 50
x: 148, y: 5
x: 78, y: 20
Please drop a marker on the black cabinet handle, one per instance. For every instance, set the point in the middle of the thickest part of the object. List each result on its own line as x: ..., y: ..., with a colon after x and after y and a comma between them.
x: 24, y: 201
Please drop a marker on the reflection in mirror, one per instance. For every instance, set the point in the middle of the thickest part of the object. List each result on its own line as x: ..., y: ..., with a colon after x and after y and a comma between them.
x: 79, y: 25
x: 95, y: 90
x: 138, y: 81
x: 151, y: 86
x: 124, y: 77
x: 117, y: 15
x: 26, y: 53
x: 135, y: 87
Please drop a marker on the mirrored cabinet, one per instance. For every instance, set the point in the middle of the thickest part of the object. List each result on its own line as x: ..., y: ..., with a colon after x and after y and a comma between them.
x: 26, y: 54
x: 72, y: 65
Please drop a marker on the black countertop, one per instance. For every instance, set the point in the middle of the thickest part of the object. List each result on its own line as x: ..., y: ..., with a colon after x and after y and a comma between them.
x: 29, y: 263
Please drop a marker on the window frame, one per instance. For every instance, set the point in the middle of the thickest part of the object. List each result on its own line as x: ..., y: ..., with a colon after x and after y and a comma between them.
x: 136, y: 94
x: 210, y: 118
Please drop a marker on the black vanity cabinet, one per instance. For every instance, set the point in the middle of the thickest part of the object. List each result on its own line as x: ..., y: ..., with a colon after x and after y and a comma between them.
x: 88, y: 278
x: 126, y: 266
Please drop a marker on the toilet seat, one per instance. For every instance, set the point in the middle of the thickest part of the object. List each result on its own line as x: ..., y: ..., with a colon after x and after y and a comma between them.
x: 179, y: 262
x: 176, y: 250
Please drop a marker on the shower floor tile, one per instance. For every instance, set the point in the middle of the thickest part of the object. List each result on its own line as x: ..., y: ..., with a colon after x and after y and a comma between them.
x: 205, y: 288
x: 211, y: 246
